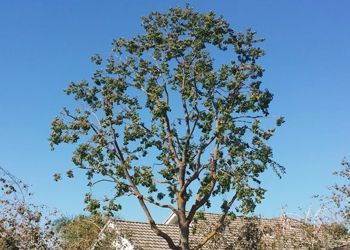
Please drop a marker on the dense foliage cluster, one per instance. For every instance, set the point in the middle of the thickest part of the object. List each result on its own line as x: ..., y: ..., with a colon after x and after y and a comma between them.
x: 84, y: 232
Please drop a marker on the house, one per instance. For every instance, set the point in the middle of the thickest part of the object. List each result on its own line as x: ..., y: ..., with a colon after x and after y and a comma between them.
x: 239, y: 233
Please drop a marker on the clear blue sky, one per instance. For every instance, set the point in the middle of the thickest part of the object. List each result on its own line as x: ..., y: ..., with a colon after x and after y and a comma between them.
x: 46, y: 44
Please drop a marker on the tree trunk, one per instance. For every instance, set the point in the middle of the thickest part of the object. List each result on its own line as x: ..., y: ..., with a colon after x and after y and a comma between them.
x: 184, y: 237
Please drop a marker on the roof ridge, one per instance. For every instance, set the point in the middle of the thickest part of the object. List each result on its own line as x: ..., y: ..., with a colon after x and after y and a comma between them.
x: 141, y: 222
x: 259, y: 216
x: 246, y: 216
x: 173, y: 225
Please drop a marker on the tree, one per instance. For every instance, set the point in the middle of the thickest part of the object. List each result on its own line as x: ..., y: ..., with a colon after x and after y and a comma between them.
x: 23, y: 225
x: 337, y: 203
x: 81, y: 232
x: 163, y: 121
x: 341, y: 193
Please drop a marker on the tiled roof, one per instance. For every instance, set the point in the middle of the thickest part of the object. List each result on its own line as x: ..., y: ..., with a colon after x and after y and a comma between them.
x: 143, y: 238
x: 141, y: 235
x: 242, y: 229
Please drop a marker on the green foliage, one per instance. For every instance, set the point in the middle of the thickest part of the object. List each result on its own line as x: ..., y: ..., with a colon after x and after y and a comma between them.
x: 80, y: 232
x: 174, y: 113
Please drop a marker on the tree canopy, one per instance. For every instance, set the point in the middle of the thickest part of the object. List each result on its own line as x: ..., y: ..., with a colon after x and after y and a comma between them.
x: 175, y: 116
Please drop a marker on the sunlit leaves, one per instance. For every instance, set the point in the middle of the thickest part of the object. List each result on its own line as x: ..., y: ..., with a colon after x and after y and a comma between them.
x: 167, y: 97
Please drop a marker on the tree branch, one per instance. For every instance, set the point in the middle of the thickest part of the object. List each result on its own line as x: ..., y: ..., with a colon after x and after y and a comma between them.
x: 171, y: 139
x: 219, y: 224
x: 201, y: 201
x: 139, y: 196
x: 173, y: 209
x: 187, y: 120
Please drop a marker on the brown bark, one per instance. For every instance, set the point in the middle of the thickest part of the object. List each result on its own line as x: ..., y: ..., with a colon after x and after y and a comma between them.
x: 184, y: 237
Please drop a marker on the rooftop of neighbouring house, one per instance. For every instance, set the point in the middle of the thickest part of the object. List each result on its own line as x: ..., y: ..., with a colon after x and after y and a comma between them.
x: 239, y: 229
